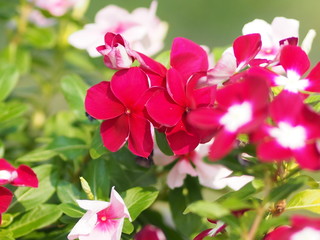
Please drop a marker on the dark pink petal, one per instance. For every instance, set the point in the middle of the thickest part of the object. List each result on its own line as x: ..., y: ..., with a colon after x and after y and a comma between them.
x: 181, y: 139
x: 149, y: 64
x: 263, y: 73
x: 199, y: 97
x: 128, y: 85
x: 176, y: 87
x: 115, y: 132
x: 272, y: 151
x: 314, y: 79
x: 26, y: 177
x: 188, y: 57
x: 5, y: 199
x: 163, y: 109
x: 204, y: 118
x: 203, y: 234
x: 155, y: 79
x: 308, y: 157
x: 282, y: 231
x: 100, y: 102
x: 140, y: 139
x: 289, y: 41
x: 293, y: 58
x: 246, y: 47
x: 282, y: 107
x: 5, y: 165
x: 299, y: 222
x: 150, y: 232
x: 222, y: 145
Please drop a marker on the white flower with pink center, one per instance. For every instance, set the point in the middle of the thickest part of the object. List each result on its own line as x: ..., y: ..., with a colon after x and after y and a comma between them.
x: 103, y: 220
x: 143, y: 30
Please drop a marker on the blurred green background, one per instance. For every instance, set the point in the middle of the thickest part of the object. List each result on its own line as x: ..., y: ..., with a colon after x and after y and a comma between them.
x: 217, y: 23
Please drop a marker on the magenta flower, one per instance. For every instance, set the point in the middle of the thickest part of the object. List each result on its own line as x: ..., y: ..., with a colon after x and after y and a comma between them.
x: 169, y: 106
x: 103, y: 220
x: 5, y: 200
x: 301, y: 228
x: 293, y: 134
x: 241, y: 108
x: 120, y: 103
x: 21, y: 176
x: 296, y: 63
x: 150, y: 232
x: 212, y: 232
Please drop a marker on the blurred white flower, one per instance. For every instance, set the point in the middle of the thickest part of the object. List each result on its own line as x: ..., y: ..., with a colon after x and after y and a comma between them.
x: 142, y: 29
x: 56, y: 7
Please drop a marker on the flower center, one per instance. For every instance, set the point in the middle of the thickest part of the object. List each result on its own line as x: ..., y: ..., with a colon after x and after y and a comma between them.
x: 292, y: 82
x: 128, y: 111
x: 289, y: 136
x: 8, y: 176
x: 236, y: 116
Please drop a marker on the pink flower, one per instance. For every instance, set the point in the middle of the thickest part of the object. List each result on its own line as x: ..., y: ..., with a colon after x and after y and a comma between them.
x: 142, y: 29
x: 56, y: 7
x: 120, y: 103
x: 5, y: 200
x: 301, y: 228
x: 103, y: 220
x: 241, y: 108
x: 21, y: 176
x: 212, y: 232
x: 293, y: 134
x: 170, y: 106
x: 150, y: 232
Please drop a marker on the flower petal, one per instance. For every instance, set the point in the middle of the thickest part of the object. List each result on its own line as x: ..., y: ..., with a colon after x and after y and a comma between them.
x: 117, y: 207
x: 101, y: 103
x: 188, y: 57
x: 294, y: 59
x: 115, y: 132
x: 272, y: 151
x: 222, y: 145
x: 163, y: 109
x: 308, y: 157
x: 181, y: 139
x: 246, y: 48
x: 179, y: 172
x: 26, y: 177
x: 5, y: 199
x: 176, y: 87
x: 84, y: 227
x: 93, y: 205
x: 128, y: 85
x: 204, y: 118
x: 314, y: 79
x: 140, y: 140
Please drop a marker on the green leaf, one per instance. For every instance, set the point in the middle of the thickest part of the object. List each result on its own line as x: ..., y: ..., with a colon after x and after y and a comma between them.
x: 164, y: 58
x: 308, y: 200
x: 67, y: 192
x: 138, y: 199
x: 6, y: 235
x: 283, y: 191
x: 11, y: 110
x: 1, y: 149
x: 127, y: 226
x: 163, y: 143
x: 74, y: 90
x: 97, y: 148
x: 39, y: 217
x: 72, y: 210
x: 27, y: 198
x: 8, y: 79
x: 38, y: 155
x: 6, y: 220
x: 41, y: 37
x: 212, y: 210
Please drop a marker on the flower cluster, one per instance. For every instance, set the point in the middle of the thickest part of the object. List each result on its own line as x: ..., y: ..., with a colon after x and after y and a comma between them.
x: 22, y: 176
x: 188, y: 105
